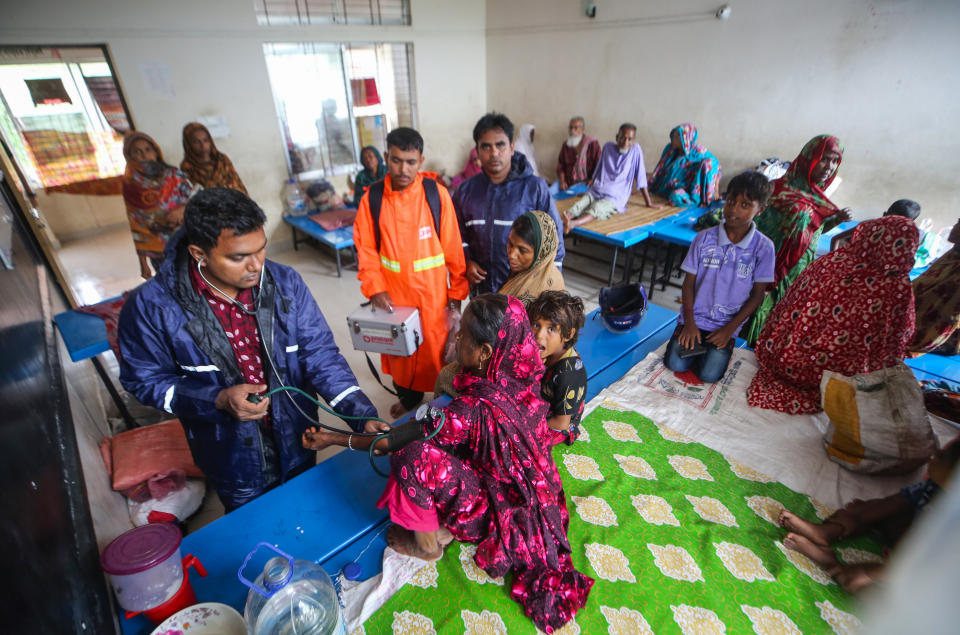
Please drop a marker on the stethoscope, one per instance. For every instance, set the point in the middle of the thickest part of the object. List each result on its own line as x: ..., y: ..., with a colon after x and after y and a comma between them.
x: 396, y: 438
x: 236, y: 303
x: 258, y: 397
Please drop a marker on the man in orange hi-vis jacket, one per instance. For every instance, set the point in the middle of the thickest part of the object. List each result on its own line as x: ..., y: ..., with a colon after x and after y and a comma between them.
x: 405, y: 253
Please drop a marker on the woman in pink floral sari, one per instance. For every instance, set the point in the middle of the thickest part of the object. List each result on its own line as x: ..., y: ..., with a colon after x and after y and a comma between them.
x: 487, y: 477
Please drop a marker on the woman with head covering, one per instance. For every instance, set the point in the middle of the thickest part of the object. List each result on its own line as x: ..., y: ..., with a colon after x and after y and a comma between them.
x: 937, y: 293
x: 798, y: 212
x: 687, y: 173
x: 487, y: 477
x: 531, y: 252
x: 849, y: 312
x: 374, y: 169
x: 524, y: 145
x: 472, y: 168
x: 203, y: 163
x: 155, y: 194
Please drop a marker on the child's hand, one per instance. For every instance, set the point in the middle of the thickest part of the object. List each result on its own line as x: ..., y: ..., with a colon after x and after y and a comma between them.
x: 315, y: 439
x: 689, y: 335
x: 720, y: 337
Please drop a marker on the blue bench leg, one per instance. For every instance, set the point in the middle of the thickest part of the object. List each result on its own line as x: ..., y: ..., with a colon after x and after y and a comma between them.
x: 293, y: 230
x: 339, y: 273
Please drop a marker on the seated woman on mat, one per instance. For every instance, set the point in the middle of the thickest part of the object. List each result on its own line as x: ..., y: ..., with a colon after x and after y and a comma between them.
x: 891, y: 517
x: 531, y: 252
x: 849, y: 312
x: 486, y: 477
x: 937, y: 293
x: 687, y: 173
x: 799, y: 211
x: 374, y: 169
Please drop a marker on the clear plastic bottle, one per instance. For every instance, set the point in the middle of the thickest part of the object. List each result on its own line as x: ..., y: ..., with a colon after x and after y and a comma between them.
x: 293, y: 597
x: 293, y: 200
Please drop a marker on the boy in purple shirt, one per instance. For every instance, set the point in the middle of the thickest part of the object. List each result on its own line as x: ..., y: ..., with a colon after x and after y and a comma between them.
x: 620, y: 165
x: 728, y: 269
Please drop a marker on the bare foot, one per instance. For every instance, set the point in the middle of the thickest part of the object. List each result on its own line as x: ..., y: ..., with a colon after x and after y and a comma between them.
x: 821, y: 535
x: 444, y: 537
x: 404, y: 541
x: 854, y: 577
x: 823, y: 556
x: 566, y: 222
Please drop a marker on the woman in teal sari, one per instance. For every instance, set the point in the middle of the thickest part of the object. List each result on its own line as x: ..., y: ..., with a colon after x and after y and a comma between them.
x: 799, y: 211
x: 687, y: 173
x: 373, y: 170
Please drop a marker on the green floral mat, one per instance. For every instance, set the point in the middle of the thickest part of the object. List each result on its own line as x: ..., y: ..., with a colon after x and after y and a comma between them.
x: 679, y: 539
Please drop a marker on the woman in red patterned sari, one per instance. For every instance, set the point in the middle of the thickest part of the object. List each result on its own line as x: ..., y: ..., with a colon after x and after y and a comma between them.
x: 487, y: 477
x: 155, y: 194
x: 849, y: 312
x: 798, y: 212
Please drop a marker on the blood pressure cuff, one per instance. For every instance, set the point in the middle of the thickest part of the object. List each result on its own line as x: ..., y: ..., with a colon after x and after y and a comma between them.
x: 405, y: 434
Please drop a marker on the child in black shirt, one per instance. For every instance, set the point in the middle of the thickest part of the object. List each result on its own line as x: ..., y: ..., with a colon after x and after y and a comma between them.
x: 556, y: 318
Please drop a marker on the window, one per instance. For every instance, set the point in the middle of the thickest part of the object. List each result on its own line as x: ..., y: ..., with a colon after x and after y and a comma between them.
x: 333, y: 99
x: 287, y: 12
x: 61, y: 114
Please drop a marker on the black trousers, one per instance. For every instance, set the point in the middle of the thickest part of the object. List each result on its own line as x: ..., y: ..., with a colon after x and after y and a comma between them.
x: 408, y: 398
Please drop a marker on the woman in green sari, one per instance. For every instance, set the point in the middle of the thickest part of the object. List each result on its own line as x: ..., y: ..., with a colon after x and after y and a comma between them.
x: 799, y: 211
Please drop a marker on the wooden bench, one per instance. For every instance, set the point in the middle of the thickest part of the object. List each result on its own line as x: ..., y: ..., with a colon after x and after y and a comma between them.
x: 336, y: 239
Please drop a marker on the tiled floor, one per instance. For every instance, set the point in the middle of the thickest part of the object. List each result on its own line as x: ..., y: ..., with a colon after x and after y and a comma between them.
x: 105, y: 265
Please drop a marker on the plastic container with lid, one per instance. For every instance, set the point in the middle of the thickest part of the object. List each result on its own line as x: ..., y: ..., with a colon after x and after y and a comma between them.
x: 291, y: 596
x: 293, y: 200
x: 144, y: 566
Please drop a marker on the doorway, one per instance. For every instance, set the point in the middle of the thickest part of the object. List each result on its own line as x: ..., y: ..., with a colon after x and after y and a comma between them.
x: 62, y: 121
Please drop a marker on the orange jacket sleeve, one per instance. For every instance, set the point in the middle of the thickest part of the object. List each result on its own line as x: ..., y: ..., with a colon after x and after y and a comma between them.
x: 368, y: 260
x: 452, y: 245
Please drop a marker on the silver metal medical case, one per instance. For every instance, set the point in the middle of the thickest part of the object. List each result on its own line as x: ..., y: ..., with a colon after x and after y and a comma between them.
x: 398, y: 333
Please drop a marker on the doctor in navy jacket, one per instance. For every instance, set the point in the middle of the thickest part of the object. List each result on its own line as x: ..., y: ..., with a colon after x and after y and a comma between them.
x: 193, y: 341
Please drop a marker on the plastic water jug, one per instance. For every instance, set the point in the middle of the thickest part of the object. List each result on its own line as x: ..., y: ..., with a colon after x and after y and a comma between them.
x: 293, y: 198
x: 291, y: 597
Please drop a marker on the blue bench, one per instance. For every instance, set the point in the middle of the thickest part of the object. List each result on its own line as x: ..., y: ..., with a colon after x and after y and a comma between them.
x: 826, y: 238
x: 570, y: 192
x: 326, y: 515
x: 608, y: 356
x: 933, y: 366
x: 337, y: 239
x: 85, y: 337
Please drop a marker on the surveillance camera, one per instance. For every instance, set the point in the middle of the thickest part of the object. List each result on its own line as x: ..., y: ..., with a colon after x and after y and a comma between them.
x: 724, y: 12
x: 589, y: 8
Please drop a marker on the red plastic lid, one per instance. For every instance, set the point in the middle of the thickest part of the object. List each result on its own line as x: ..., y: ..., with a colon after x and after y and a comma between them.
x: 141, y: 548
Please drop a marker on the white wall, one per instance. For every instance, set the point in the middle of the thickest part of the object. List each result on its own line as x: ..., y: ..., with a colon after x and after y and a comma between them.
x: 214, y: 51
x: 881, y: 75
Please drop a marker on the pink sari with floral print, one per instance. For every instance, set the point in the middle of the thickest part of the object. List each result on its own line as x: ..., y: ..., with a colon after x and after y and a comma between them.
x: 491, y: 480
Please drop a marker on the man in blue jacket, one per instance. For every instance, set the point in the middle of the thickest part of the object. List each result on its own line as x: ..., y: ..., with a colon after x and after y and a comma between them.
x: 489, y: 202
x: 218, y: 323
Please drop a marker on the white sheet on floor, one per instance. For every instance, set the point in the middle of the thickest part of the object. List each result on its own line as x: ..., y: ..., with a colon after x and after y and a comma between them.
x: 787, y: 448
x: 361, y: 599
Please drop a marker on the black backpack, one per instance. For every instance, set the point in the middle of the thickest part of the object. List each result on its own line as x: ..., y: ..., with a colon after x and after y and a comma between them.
x: 376, y: 200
